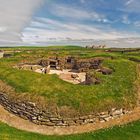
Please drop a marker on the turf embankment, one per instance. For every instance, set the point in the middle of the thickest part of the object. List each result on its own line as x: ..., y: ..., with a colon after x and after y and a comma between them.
x: 116, y: 90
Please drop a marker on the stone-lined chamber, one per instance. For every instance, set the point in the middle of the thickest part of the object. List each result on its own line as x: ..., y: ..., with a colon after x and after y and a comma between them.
x: 30, y: 111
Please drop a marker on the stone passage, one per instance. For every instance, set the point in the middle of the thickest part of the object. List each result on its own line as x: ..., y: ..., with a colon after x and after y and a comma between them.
x: 31, y: 112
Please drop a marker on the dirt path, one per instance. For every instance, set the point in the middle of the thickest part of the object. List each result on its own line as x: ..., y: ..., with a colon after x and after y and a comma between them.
x: 22, y: 124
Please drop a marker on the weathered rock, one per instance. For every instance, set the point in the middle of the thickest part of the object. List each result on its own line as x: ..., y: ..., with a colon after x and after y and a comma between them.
x: 61, y: 124
x: 70, y: 122
x: 117, y: 112
x: 107, y: 118
x: 102, y: 120
x: 50, y: 124
x: 91, y: 79
x: 106, y: 71
x: 55, y: 119
x: 74, y: 76
x: 31, y: 104
x: 43, y: 63
x: 79, y: 122
x: 42, y: 119
x: 83, y: 65
x: 89, y: 120
x: 83, y: 117
x: 34, y: 118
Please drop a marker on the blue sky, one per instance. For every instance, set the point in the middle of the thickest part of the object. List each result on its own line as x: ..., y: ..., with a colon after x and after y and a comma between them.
x: 85, y: 19
x: 40, y: 20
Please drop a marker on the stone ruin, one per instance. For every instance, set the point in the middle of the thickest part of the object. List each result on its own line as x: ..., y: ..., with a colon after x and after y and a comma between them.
x: 84, y: 65
x: 78, y: 68
x: 105, y: 71
x: 32, y: 112
x: 81, y: 65
x: 91, y: 79
x: 58, y: 63
x: 28, y: 66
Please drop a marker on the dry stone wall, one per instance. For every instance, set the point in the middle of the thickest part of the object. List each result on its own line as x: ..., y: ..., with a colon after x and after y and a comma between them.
x: 31, y: 112
x: 82, y: 65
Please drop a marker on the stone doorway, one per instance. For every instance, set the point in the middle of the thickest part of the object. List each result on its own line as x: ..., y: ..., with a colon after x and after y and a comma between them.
x: 53, y: 64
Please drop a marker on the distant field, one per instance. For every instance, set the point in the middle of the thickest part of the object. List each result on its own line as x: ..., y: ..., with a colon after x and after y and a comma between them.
x: 126, y: 132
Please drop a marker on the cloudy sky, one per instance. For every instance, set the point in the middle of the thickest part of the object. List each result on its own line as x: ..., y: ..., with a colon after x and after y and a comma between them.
x: 31, y: 21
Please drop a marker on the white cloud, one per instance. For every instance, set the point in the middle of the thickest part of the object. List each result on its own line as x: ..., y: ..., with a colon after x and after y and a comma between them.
x: 3, y: 29
x: 132, y: 6
x: 75, y: 13
x: 44, y: 28
x: 82, y: 1
x: 14, y: 16
x: 125, y: 19
x: 129, y: 2
x: 137, y: 23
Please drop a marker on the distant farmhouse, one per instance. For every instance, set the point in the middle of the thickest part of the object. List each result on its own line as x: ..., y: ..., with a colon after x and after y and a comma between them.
x: 1, y: 53
x: 96, y: 46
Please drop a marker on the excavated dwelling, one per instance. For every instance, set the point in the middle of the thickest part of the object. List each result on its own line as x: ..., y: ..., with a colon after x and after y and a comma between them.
x: 70, y: 69
x: 81, y: 65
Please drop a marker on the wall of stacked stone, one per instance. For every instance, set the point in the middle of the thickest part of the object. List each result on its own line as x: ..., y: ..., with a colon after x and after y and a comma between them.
x: 31, y: 112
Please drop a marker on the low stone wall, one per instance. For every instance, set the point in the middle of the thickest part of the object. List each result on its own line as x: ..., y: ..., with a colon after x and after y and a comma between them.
x: 31, y: 112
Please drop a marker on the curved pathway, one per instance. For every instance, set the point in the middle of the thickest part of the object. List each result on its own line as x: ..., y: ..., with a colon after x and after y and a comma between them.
x: 22, y: 124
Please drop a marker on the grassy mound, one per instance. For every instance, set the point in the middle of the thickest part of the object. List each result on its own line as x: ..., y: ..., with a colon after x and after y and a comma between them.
x: 116, y: 90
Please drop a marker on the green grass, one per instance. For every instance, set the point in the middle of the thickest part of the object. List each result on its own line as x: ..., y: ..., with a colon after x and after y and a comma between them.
x: 126, y: 132
x: 116, y: 90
